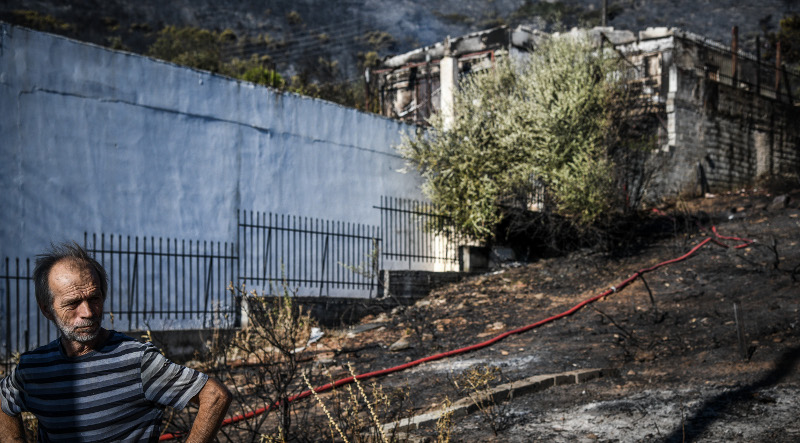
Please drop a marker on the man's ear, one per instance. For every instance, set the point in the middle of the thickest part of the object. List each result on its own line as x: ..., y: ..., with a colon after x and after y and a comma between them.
x: 48, y: 313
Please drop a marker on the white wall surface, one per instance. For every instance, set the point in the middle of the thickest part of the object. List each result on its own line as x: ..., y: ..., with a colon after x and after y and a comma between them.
x: 105, y: 141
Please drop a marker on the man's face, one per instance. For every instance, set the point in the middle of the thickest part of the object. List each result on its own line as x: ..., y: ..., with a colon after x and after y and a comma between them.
x: 77, y: 302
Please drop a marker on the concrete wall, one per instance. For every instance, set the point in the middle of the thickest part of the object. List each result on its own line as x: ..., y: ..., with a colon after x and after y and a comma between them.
x: 98, y: 140
x: 720, y: 137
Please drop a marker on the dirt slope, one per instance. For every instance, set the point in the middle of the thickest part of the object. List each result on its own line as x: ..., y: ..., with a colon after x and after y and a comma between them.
x: 681, y: 373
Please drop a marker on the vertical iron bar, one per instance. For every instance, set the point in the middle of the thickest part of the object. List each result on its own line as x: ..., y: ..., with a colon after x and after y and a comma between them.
x: 250, y: 252
x: 219, y: 276
x: 306, y: 252
x: 183, y: 276
x: 153, y: 274
x: 111, y: 263
x: 35, y: 307
x: 337, y: 253
x: 132, y: 283
x: 266, y: 257
x: 257, y: 238
x: 322, y: 274
x: 8, y: 316
x: 208, y: 281
x: 409, y: 231
x: 172, y: 279
x: 239, y: 229
x: 382, y: 212
x: 160, y: 272
x: 294, y: 251
x: 146, y: 315
x: 16, y: 283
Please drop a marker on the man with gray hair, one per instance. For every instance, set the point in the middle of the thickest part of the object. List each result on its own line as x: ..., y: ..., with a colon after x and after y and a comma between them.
x: 93, y: 384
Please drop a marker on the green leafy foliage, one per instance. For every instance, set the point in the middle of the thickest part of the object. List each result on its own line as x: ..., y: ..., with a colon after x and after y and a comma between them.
x: 189, y: 46
x: 263, y: 76
x: 552, y: 119
x: 789, y: 37
x: 39, y: 21
x: 202, y: 49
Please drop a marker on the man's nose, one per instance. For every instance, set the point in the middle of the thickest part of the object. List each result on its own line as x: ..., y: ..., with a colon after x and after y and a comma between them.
x: 85, y: 310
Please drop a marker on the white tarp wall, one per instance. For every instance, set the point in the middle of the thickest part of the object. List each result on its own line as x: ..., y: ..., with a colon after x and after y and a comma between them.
x: 101, y: 141
x: 105, y: 141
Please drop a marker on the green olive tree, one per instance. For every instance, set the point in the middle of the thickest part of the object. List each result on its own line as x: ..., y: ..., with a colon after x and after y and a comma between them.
x: 553, y: 118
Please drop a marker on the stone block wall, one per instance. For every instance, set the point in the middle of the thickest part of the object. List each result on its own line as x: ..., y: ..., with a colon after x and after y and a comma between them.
x: 409, y: 286
x: 722, y: 137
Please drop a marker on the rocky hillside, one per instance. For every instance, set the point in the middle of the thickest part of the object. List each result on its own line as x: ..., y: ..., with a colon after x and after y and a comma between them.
x: 297, y: 32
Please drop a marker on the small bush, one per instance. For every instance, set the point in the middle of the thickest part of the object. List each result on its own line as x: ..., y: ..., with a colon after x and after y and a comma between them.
x: 188, y: 46
x: 294, y: 18
x: 39, y: 22
x: 263, y: 76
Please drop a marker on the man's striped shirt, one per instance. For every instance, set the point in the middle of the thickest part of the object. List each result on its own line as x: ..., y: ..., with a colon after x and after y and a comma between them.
x: 115, y: 393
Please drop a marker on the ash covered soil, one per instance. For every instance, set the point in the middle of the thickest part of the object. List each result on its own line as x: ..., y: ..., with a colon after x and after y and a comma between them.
x: 679, y: 372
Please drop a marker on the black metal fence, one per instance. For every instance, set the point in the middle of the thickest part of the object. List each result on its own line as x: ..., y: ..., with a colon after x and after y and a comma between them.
x: 25, y: 328
x: 153, y: 284
x: 410, y: 232
x: 156, y: 281
x: 161, y: 283
x: 309, y: 255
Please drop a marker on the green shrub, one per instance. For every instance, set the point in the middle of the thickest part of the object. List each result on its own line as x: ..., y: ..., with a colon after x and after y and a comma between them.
x: 39, y: 22
x: 188, y: 46
x: 264, y: 76
x: 553, y: 119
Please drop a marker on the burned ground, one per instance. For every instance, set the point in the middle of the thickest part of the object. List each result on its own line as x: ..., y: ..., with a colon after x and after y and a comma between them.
x: 669, y: 340
x: 681, y: 375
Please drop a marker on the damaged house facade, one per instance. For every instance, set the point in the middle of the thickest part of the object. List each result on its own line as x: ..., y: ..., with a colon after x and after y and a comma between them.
x: 726, y: 117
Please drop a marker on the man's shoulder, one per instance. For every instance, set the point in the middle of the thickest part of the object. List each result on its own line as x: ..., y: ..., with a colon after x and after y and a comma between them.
x: 116, y: 338
x: 116, y: 344
x: 119, y: 343
x: 45, y: 352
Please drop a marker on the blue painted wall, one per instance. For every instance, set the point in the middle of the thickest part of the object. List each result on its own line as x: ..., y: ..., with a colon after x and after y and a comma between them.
x: 95, y: 140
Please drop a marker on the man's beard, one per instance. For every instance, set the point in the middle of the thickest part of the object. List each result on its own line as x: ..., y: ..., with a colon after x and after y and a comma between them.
x: 71, y: 333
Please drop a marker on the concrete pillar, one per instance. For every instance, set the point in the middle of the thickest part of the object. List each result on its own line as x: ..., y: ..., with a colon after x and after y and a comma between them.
x: 448, y: 83
x: 763, y: 144
x: 672, y: 93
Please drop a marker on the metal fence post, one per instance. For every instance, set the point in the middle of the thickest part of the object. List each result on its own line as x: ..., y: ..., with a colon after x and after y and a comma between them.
x: 132, y: 287
x: 208, y: 283
x: 8, y: 318
x: 324, y: 258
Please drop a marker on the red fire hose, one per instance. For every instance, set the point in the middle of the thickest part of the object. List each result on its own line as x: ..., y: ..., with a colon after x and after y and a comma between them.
x: 716, y: 239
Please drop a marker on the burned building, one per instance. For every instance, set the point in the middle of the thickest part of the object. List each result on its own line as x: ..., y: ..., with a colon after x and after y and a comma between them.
x: 725, y: 117
x: 414, y: 85
x: 730, y: 118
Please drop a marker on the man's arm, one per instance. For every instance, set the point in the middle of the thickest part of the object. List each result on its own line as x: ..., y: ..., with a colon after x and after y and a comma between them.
x: 213, y: 400
x: 11, y: 429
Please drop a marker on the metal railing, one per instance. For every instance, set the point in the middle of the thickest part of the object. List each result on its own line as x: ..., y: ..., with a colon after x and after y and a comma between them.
x: 415, y: 232
x: 744, y: 71
x: 310, y: 255
x: 25, y: 328
x: 161, y: 283
x: 153, y: 284
x: 162, y: 280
